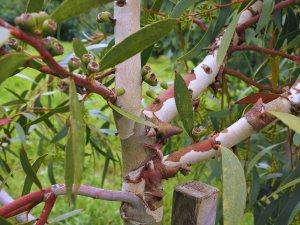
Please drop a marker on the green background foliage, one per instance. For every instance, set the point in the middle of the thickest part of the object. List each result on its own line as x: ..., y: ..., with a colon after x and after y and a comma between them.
x: 264, y: 157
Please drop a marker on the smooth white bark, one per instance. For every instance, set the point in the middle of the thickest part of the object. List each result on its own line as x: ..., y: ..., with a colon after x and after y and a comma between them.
x: 205, y: 72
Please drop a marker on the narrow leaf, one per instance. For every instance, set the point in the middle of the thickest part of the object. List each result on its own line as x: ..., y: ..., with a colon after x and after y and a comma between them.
x: 184, y: 104
x: 51, y: 174
x: 137, y: 42
x: 69, y: 167
x: 181, y: 6
x: 234, y: 188
x: 66, y: 215
x: 266, y: 12
x: 5, y: 121
x: 282, y: 188
x: 226, y: 39
x: 79, y: 48
x: 259, y: 155
x: 71, y: 8
x: 34, y: 5
x: 131, y: 116
x: 35, y: 167
x: 145, y: 55
x: 10, y: 63
x: 21, y: 133
x: 61, y: 134
x: 290, y: 120
x: 77, y: 130
x: 196, y: 50
x: 4, y: 35
x: 28, y: 169
x: 274, y: 63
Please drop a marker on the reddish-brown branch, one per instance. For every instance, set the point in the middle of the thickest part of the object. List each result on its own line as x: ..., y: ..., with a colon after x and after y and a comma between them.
x: 105, y: 74
x: 49, y: 203
x: 32, y: 199
x: 267, y: 51
x: 155, y: 12
x: 199, y: 23
x: 255, y: 18
x: 53, y: 67
x: 25, y: 208
x: 247, y: 79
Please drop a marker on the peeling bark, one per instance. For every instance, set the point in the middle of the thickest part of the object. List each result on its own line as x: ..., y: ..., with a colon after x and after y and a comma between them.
x: 255, y: 119
x: 203, y: 75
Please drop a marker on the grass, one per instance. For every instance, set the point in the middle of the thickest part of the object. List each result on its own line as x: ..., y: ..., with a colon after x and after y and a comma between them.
x: 96, y: 212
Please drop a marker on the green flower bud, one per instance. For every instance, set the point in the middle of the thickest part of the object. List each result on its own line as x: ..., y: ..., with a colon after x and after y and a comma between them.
x: 27, y: 21
x: 146, y: 70
x: 53, y: 46
x: 120, y: 91
x: 93, y: 67
x: 164, y: 85
x: 49, y: 26
x: 41, y: 17
x: 86, y: 58
x: 74, y: 63
x: 57, y: 49
x: 105, y: 17
x: 14, y: 44
x: 150, y: 79
x: 152, y: 94
x: 198, y: 132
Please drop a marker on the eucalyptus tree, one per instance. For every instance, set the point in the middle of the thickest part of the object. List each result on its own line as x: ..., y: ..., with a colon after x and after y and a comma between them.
x: 219, y: 33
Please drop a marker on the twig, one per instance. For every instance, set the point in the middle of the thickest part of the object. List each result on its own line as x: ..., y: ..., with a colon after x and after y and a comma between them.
x: 53, y: 67
x: 246, y: 79
x: 199, y: 23
x: 217, y: 6
x: 267, y: 51
x: 105, y: 74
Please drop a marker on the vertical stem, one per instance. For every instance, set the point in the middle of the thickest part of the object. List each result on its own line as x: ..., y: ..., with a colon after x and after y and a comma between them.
x: 128, y: 76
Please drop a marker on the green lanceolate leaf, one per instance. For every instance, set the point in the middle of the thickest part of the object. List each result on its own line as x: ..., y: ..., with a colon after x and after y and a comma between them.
x: 181, y: 6
x: 10, y: 63
x: 28, y: 169
x: 266, y: 12
x: 4, y: 35
x: 34, y: 5
x: 195, y: 51
x: 72, y: 8
x: 137, y: 42
x: 69, y: 167
x: 145, y: 55
x: 66, y: 215
x: 77, y: 131
x: 282, y: 188
x: 21, y: 133
x: 28, y: 182
x: 259, y: 155
x: 131, y: 116
x: 234, y: 188
x: 226, y: 39
x: 61, y: 134
x: 290, y: 120
x: 184, y: 104
x: 274, y: 63
x: 79, y: 48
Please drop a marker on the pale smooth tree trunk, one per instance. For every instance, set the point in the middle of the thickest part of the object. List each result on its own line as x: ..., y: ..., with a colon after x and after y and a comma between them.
x: 132, y: 134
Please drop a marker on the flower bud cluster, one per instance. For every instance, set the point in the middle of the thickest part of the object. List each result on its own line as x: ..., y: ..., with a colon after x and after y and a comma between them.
x: 37, y: 24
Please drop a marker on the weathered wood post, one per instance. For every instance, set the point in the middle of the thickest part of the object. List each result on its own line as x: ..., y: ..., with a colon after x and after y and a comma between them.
x: 194, y: 203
